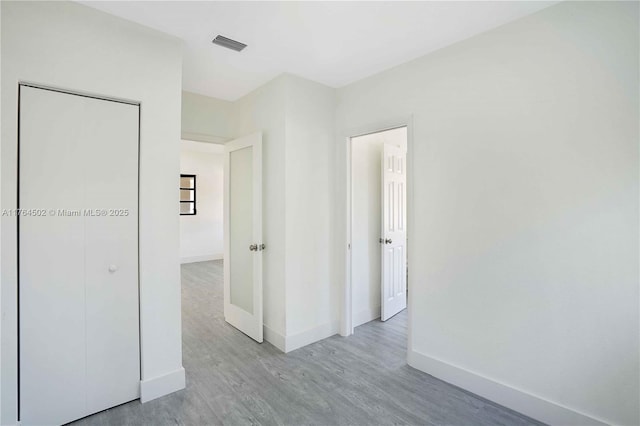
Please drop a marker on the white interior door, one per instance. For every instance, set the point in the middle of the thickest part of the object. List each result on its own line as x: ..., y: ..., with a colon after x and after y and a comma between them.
x: 243, y: 235
x: 78, y: 255
x: 394, y: 231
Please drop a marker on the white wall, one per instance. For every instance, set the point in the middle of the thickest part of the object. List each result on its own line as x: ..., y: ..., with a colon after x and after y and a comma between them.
x: 206, y: 119
x: 366, y: 214
x: 72, y: 46
x: 523, y: 240
x: 297, y: 121
x: 311, y: 294
x: 201, y: 236
x: 1, y: 364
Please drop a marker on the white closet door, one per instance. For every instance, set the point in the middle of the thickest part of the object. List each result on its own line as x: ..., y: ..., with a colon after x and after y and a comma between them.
x: 111, y: 257
x: 394, y: 231
x: 51, y: 288
x: 78, y: 283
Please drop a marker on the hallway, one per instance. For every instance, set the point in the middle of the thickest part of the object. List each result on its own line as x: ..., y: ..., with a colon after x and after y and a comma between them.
x: 360, y: 380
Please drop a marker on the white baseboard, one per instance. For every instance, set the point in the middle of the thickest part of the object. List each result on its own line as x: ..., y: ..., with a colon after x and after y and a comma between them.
x: 162, y: 385
x: 365, y: 316
x: 312, y: 335
x: 515, y: 399
x: 202, y: 258
x: 273, y: 337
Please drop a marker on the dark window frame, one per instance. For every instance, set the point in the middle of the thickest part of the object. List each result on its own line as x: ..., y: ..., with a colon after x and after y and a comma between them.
x: 195, y: 210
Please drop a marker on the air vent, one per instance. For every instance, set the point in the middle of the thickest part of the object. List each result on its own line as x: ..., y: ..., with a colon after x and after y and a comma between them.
x: 228, y: 43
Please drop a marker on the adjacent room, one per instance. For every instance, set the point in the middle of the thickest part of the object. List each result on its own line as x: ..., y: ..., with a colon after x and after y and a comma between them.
x: 320, y: 212
x: 201, y: 193
x: 378, y: 217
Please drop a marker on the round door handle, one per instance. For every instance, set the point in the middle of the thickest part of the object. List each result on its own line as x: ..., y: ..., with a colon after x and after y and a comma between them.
x: 388, y: 241
x: 113, y: 268
x: 253, y: 247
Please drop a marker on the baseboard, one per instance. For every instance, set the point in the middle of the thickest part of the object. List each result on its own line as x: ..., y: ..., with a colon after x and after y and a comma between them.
x: 515, y: 399
x: 273, y: 337
x: 202, y: 258
x: 312, y: 335
x: 162, y: 385
x: 365, y: 316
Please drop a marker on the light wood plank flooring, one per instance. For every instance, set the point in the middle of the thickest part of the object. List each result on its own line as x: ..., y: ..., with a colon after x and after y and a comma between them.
x: 359, y: 380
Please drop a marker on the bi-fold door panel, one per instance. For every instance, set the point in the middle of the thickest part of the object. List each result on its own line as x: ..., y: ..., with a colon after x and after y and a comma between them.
x: 51, y: 287
x: 111, y: 258
x: 78, y: 255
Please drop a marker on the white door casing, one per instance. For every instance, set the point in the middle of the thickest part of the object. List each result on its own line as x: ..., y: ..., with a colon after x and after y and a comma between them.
x: 394, y: 231
x: 243, y: 244
x: 78, y: 272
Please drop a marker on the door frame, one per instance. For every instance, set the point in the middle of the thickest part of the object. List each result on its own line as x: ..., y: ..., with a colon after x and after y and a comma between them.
x: 346, y: 308
x: 50, y: 88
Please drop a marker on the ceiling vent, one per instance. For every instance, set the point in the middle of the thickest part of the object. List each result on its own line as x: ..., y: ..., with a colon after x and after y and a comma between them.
x: 228, y: 43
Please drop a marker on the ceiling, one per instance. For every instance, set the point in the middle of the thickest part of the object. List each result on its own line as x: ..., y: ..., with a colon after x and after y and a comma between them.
x: 334, y: 43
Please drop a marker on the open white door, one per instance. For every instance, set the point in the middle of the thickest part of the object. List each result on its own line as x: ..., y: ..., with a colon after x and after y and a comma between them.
x: 394, y: 232
x: 243, y: 244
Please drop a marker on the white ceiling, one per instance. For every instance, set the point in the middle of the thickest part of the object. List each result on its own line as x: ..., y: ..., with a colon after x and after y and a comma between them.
x: 334, y: 43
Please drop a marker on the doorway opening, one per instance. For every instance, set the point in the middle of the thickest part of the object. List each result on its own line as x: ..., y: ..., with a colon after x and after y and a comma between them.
x: 201, y: 201
x: 220, y: 207
x: 377, y: 272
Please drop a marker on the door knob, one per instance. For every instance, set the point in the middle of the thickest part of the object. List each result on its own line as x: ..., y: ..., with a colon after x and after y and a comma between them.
x: 388, y: 241
x: 262, y: 247
x: 113, y: 268
x: 253, y: 247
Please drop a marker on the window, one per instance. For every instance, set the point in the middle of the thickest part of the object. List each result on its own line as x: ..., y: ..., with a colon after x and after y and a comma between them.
x: 187, y: 194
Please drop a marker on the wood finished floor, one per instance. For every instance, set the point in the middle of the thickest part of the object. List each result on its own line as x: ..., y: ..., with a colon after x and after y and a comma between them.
x: 359, y: 380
